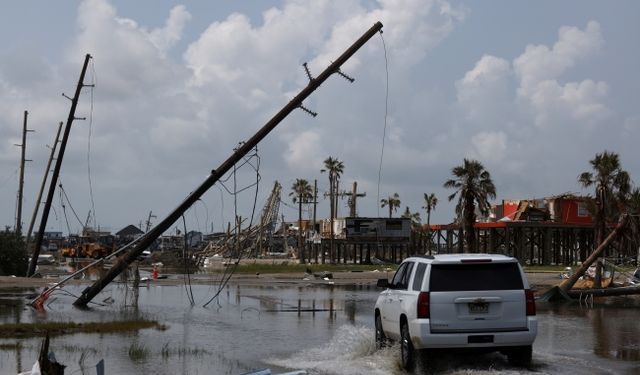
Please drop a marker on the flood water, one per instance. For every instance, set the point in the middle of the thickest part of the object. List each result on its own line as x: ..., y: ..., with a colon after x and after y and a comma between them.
x: 322, y: 329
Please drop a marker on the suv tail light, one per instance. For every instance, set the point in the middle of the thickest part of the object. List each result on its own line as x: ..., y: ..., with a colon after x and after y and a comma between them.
x: 423, y: 305
x: 531, y: 302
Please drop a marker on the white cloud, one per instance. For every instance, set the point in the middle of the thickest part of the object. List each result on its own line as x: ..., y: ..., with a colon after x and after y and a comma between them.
x: 539, y: 69
x: 167, y: 37
x: 540, y: 63
x: 490, y: 146
x: 134, y: 61
x: 579, y: 102
x: 483, y: 93
x: 303, y: 148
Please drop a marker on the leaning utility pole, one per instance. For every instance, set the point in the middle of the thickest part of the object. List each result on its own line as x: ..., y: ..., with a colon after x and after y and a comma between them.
x: 23, y: 146
x: 44, y: 182
x: 244, y: 148
x: 56, y: 170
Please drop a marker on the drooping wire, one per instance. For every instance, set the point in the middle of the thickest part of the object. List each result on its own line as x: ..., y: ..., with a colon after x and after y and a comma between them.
x: 206, y: 213
x: 229, y: 271
x: 66, y: 197
x: 92, y: 85
x: 386, y: 112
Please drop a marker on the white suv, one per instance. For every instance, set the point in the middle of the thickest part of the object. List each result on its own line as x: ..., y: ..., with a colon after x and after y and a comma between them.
x: 478, y: 302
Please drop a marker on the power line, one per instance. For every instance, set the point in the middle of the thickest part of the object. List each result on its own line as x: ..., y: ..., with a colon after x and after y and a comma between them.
x: 386, y: 113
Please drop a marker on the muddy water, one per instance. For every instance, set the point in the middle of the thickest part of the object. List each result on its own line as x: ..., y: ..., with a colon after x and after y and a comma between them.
x: 323, y: 329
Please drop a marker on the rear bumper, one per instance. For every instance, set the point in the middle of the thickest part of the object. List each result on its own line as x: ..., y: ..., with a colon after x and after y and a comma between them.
x: 423, y: 338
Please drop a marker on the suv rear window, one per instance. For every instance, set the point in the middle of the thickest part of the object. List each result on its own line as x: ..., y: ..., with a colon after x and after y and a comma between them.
x: 477, y: 276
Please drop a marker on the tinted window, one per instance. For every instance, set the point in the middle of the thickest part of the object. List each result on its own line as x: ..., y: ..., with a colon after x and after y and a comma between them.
x: 478, y: 276
x: 417, y: 279
x: 397, y: 278
x: 401, y: 278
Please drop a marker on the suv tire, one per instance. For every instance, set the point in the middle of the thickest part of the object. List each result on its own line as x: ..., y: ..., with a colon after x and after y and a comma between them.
x: 520, y: 356
x: 407, y: 353
x: 381, y: 338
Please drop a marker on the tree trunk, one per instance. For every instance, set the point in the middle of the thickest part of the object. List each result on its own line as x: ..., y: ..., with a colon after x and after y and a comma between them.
x: 429, y: 231
x: 469, y: 218
x: 332, y: 213
x: 300, y: 250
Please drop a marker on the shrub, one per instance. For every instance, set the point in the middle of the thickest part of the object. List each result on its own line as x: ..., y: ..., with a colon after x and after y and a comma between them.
x: 13, y: 256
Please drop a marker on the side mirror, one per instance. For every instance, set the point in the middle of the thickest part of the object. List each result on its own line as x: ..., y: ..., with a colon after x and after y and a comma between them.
x: 383, y: 283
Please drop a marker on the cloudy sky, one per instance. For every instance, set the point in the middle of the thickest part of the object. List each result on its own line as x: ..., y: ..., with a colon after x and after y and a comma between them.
x: 532, y: 90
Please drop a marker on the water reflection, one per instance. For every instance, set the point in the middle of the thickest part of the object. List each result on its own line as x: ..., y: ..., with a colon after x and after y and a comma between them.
x: 607, y: 329
x: 323, y: 327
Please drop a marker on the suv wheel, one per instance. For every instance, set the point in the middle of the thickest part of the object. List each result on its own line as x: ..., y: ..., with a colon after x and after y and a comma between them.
x: 407, y: 353
x: 520, y: 356
x: 381, y: 338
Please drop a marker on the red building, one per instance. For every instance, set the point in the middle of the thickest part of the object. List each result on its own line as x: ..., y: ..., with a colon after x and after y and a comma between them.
x: 561, y: 209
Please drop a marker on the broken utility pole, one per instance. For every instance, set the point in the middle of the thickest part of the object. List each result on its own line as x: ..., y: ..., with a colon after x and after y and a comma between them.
x: 56, y: 170
x: 36, y: 208
x: 146, y: 240
x: 562, y: 290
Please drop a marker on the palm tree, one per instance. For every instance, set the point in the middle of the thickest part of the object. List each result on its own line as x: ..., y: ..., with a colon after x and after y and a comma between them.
x: 301, y: 192
x: 334, y: 168
x: 612, y: 187
x: 414, y: 216
x: 473, y: 186
x: 430, y: 202
x: 392, y: 202
x: 631, y: 231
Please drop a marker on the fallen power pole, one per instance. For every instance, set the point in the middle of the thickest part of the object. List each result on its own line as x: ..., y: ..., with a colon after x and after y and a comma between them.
x: 56, y: 170
x: 123, y: 262
x: 563, y: 290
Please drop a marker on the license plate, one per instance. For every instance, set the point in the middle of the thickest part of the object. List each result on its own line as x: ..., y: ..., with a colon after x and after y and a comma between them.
x: 478, y: 308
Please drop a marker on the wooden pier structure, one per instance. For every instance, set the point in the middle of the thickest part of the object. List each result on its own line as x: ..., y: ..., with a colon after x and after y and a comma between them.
x: 532, y: 243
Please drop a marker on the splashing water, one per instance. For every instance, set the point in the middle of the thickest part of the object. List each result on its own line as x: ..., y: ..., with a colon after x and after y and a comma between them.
x: 350, y: 352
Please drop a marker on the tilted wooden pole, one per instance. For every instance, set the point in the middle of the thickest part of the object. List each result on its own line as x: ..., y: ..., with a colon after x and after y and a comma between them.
x: 146, y: 240
x: 44, y: 183
x: 568, y: 284
x: 23, y: 147
x: 56, y: 171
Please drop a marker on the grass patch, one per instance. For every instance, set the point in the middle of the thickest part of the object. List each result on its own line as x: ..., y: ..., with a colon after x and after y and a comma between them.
x: 20, y: 330
x: 167, y: 352
x: 286, y: 267
x: 138, y: 352
x: 547, y: 268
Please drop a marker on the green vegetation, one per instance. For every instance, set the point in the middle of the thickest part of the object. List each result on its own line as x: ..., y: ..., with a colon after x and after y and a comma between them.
x: 393, y: 202
x: 473, y: 185
x: 138, y: 352
x: 13, y: 257
x: 63, y: 328
x: 167, y: 352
